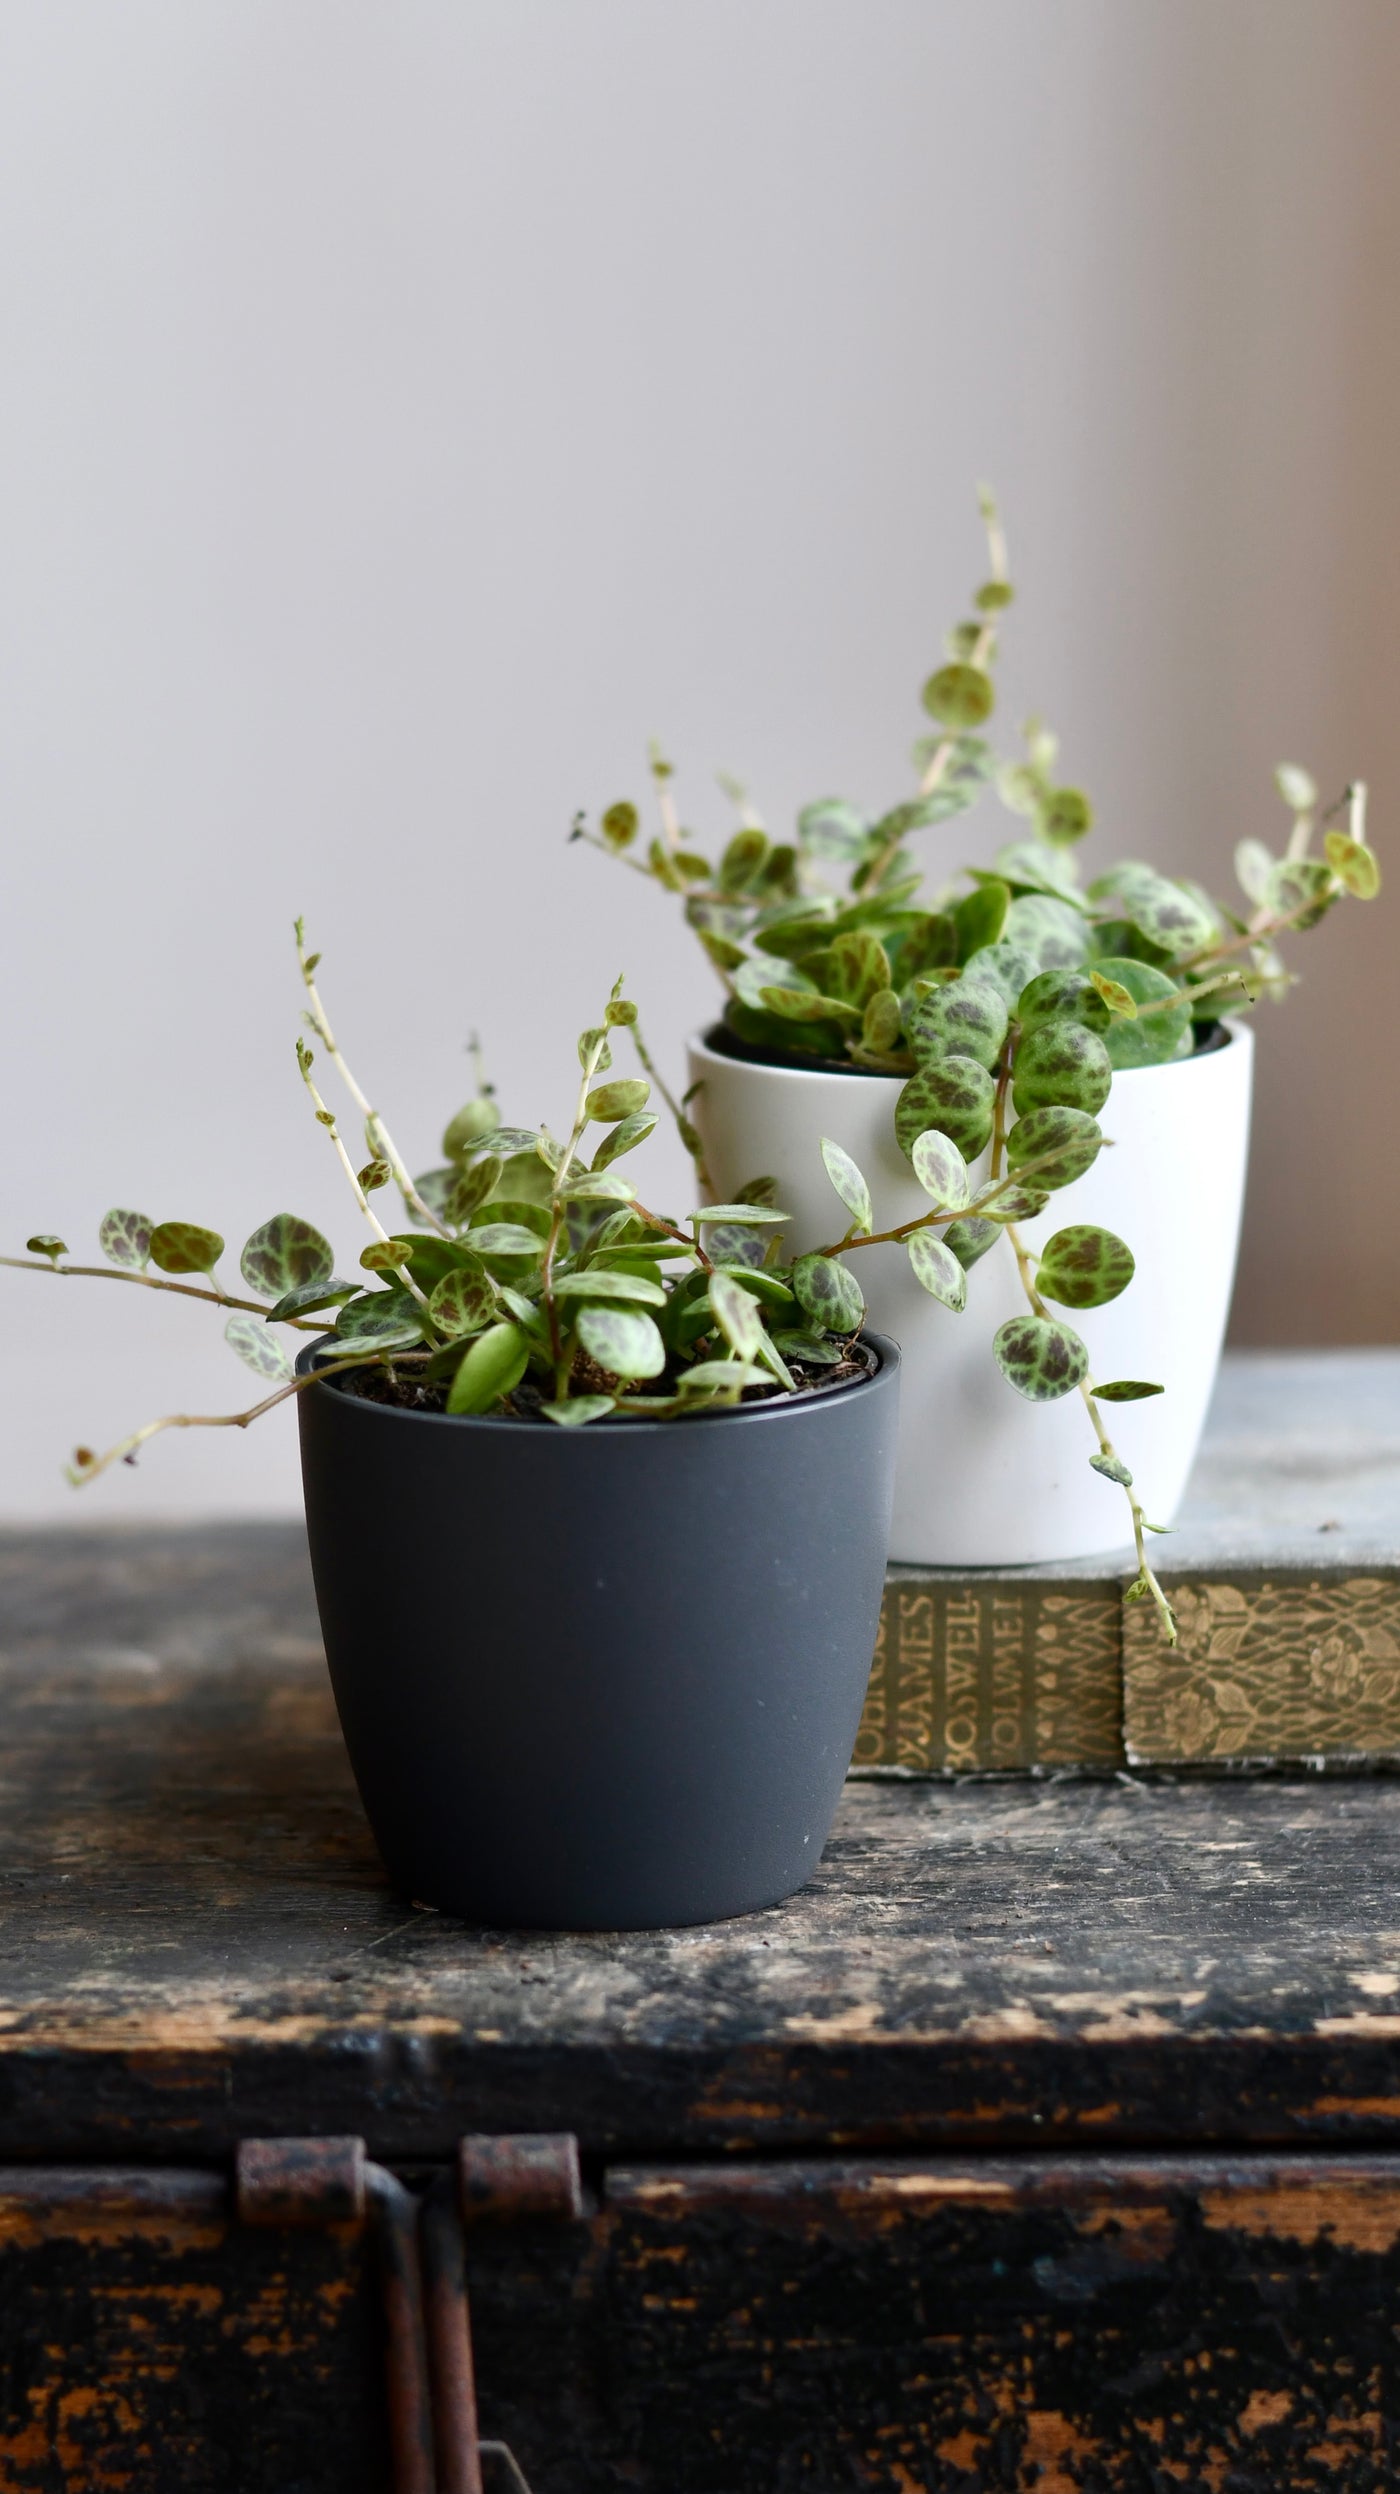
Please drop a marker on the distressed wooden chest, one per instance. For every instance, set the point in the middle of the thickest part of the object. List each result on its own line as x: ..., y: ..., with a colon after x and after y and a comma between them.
x: 1049, y: 2140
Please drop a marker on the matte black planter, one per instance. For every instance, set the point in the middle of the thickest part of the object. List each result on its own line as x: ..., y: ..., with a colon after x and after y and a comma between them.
x: 604, y: 1678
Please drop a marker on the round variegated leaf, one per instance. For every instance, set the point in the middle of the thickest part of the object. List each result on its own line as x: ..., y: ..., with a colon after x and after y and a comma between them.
x: 959, y: 696
x: 491, y: 1367
x: 767, y: 1288
x: 717, y: 1376
x: 1354, y: 865
x: 879, y: 1032
x: 1062, y: 996
x: 1015, y: 1203
x: 828, y: 1293
x: 941, y: 1171
x: 46, y: 1243
x: 125, y: 1239
x: 1254, y: 868
x: 578, y: 1409
x: 979, y: 920
x: 434, y: 1188
x: 601, y: 1186
x: 1167, y: 913
x: 733, y: 1242
x: 1113, y: 1468
x: 613, y: 1101
x: 796, y: 1004
x: 624, y: 1137
x: 473, y: 1188
x: 1303, y: 889
x: 380, y: 1320
x: 755, y: 1216
x: 259, y: 1349
x: 967, y: 1019
x: 833, y: 830
x: 505, y: 1238
x: 307, y: 1297
x: 462, y: 1303
x: 1296, y: 786
x: 1031, y: 866
x: 849, y: 1183
x: 817, y: 1350
x: 183, y: 1247
x: 1009, y: 968
x: 970, y: 1239
x: 737, y: 1314
x: 1066, y: 815
x: 939, y: 1271
x: 1084, y: 1267
x: 624, y: 1341
x: 284, y: 1253
x: 1056, y: 933
x: 852, y: 969
x: 957, y: 1095
x: 1155, y: 1036
x: 465, y: 1131
x: 1057, y: 1145
x: 743, y: 859
x: 598, y: 1283
x: 1061, y: 1065
x: 1125, y: 1390
x: 1040, y: 1357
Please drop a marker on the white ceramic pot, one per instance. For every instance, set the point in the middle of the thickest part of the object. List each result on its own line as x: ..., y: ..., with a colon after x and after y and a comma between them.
x: 985, y: 1478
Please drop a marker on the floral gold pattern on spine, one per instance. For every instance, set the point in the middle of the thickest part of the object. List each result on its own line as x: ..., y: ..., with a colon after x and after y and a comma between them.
x: 990, y: 1673
x: 1282, y: 1664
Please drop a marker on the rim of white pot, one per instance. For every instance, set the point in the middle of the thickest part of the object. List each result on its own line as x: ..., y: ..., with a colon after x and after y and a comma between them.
x: 699, y: 1044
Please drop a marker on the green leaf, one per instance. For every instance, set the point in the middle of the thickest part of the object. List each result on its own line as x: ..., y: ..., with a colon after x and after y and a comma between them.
x: 623, y: 1341
x: 1118, y: 998
x: 385, y: 1255
x: 938, y: 1269
x: 1254, y: 870
x: 461, y: 1303
x: 737, y: 1315
x: 799, y: 1004
x: 1006, y: 967
x: 979, y: 919
x: 464, y: 1133
x: 615, y: 1100
x: 1167, y: 914
x: 283, y: 1254
x: 832, y: 829
x: 257, y: 1348
x: 183, y: 1247
x: 1066, y: 815
x: 879, y: 1031
x: 1040, y: 1357
x: 596, y: 1283
x: 597, y: 1186
x: 624, y: 1138
x: 743, y: 859
x: 1113, y: 1468
x: 753, y: 1215
x: 1062, y: 996
x: 492, y: 1368
x: 956, y: 1095
x: 829, y: 1294
x: 506, y: 1141
x: 993, y: 596
x: 715, y: 1376
x: 815, y: 1349
x: 970, y: 1239
x: 1055, y: 932
x: 1296, y: 786
x: 46, y: 1243
x: 578, y: 1409
x: 1354, y: 865
x: 125, y: 1239
x: 959, y: 696
x: 929, y: 942
x: 849, y: 1183
x: 504, y: 1238
x: 472, y: 1188
x: 966, y: 1019
x: 1084, y: 1267
x: 1152, y: 1038
x: 766, y: 1287
x: 1061, y: 1065
x: 941, y: 1171
x: 380, y: 1320
x: 433, y: 1188
x: 1124, y: 1390
x: 1070, y: 1138
x: 307, y: 1297
x: 620, y: 824
x: 1015, y: 1203
x: 1303, y: 884
x: 1031, y: 866
x: 851, y: 969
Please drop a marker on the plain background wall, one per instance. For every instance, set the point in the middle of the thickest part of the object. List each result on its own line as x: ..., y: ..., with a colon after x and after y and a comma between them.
x: 408, y: 411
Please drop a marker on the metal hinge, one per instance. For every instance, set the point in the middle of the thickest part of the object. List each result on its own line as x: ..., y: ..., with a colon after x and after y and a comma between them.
x: 418, y: 2237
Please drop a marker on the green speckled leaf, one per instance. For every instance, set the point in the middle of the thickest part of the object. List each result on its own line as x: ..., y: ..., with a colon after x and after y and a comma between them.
x: 1016, y: 1203
x: 879, y: 1031
x: 623, y: 1341
x: 472, y: 1188
x: 1354, y: 865
x: 1167, y: 914
x: 1066, y: 815
x: 941, y: 1171
x: 852, y: 969
x: 1303, y: 884
x: 737, y: 1314
x: 613, y: 1101
x: 929, y: 942
x: 957, y: 1095
x: 832, y: 829
x: 1009, y: 968
x: 125, y: 1239
x: 1113, y: 1469
x: 1084, y: 1267
x: 578, y: 1409
x: 1040, y: 1357
x: 380, y: 1320
x: 494, y: 1364
x: 1031, y: 866
x: 1125, y: 1390
x: 1061, y: 1065
x: 1056, y: 934
x: 283, y: 1254
x: 938, y: 1270
x: 967, y: 1019
x: 829, y: 1294
x: 309, y: 1296
x: 959, y: 696
x: 970, y: 1239
x: 1154, y: 1038
x: 462, y: 1303
x: 979, y: 919
x: 257, y: 1348
x: 1069, y: 1134
x: 183, y: 1247
x: 1062, y: 996
x: 849, y: 1183
x: 1254, y: 866
x: 597, y: 1283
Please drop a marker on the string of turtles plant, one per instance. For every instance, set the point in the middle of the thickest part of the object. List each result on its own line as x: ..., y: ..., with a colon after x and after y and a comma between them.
x: 533, y: 1280
x: 1019, y: 988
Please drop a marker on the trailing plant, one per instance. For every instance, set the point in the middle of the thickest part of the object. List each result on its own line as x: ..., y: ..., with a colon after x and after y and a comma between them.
x: 1006, y: 1001
x: 530, y: 1278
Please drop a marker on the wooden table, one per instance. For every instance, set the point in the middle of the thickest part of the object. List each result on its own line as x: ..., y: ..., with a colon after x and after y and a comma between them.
x: 1049, y: 2139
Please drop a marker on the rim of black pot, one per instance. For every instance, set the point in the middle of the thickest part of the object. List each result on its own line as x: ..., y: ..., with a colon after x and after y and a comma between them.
x: 780, y: 1407
x: 723, y: 1042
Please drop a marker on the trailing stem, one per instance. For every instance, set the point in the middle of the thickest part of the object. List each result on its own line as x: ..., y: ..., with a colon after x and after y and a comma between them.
x: 326, y: 1117
x: 377, y: 1135
x: 151, y: 1281
x: 86, y: 1466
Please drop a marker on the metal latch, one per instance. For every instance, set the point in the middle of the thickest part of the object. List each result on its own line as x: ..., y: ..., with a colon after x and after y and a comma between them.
x: 430, y: 2376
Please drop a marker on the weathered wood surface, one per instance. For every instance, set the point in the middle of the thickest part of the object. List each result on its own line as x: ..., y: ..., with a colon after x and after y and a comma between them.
x: 1086, y: 2325
x: 197, y: 1943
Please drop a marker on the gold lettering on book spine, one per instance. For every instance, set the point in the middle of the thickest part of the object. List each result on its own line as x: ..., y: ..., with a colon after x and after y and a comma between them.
x: 993, y: 1675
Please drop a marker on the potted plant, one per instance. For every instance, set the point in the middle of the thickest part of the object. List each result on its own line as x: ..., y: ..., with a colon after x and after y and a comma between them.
x: 1030, y: 1017
x: 598, y: 1510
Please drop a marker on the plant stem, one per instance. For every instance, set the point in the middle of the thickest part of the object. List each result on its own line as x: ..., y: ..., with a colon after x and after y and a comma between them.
x: 80, y: 1473
x: 377, y: 1134
x: 326, y: 1118
x: 153, y: 1281
x: 687, y: 1132
x: 556, y: 1214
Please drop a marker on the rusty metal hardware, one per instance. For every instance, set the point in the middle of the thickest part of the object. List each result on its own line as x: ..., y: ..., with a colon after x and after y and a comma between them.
x: 532, y: 2175
x: 300, y: 2182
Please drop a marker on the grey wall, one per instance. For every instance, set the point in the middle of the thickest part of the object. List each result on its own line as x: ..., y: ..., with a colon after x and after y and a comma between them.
x: 407, y: 411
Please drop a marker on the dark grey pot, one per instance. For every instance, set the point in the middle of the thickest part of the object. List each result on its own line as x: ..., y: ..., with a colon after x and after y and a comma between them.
x: 606, y: 1678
